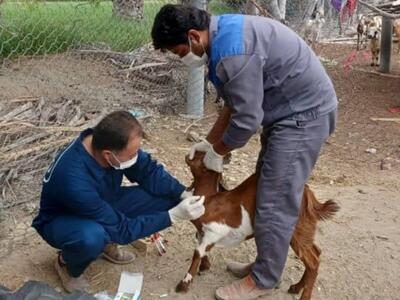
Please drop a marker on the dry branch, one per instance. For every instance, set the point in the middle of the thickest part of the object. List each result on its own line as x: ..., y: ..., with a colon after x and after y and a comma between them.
x: 386, y: 119
x: 15, y: 112
x: 44, y: 145
x: 379, y: 11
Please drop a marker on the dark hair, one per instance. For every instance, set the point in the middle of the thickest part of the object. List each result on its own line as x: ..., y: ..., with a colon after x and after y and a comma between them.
x: 173, y: 22
x: 113, y: 132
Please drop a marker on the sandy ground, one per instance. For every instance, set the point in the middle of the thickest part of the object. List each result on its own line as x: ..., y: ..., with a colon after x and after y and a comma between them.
x: 360, y: 246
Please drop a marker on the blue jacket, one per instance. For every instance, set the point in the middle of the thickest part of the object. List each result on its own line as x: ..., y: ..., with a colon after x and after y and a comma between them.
x: 75, y: 184
x: 265, y: 72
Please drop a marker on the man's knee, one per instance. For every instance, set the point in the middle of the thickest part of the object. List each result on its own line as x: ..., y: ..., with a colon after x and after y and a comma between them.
x: 91, y: 241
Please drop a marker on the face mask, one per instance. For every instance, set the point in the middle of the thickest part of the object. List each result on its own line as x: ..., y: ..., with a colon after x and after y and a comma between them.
x: 194, y: 61
x: 125, y: 164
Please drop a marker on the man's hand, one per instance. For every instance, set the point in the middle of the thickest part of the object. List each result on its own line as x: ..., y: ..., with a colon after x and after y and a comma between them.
x: 190, y: 208
x: 203, y: 146
x: 213, y: 161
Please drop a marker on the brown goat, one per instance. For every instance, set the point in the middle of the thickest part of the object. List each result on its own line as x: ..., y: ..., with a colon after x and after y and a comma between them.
x: 396, y: 30
x: 229, y: 219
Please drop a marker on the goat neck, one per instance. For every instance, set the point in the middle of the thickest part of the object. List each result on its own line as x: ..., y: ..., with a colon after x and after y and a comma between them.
x: 207, y: 185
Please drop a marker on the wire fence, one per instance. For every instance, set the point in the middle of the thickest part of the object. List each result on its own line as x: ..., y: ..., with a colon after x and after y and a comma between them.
x: 64, y: 64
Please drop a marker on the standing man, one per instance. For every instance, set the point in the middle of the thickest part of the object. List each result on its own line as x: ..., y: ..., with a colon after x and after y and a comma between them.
x: 269, y: 77
x: 85, y: 212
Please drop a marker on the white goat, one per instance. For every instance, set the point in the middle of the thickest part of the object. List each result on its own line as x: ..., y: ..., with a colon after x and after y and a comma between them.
x: 312, y: 29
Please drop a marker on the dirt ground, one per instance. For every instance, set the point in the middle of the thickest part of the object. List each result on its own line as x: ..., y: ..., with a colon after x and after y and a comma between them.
x: 361, y: 246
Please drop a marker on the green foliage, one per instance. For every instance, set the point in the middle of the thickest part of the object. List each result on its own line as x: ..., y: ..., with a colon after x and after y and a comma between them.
x: 36, y: 27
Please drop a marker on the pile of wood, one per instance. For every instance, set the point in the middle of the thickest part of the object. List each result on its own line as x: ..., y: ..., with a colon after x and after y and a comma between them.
x: 161, y: 77
x: 32, y: 130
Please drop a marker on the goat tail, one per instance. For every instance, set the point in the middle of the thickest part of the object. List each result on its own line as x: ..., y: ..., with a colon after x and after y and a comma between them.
x: 327, y: 210
x: 321, y: 211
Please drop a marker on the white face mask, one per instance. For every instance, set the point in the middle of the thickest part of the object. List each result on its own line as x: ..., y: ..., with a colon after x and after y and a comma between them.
x: 125, y: 164
x: 194, y: 61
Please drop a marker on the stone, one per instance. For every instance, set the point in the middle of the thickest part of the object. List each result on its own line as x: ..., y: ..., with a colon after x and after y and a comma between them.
x: 152, y: 151
x: 20, y: 225
x: 386, y: 166
x: 371, y: 150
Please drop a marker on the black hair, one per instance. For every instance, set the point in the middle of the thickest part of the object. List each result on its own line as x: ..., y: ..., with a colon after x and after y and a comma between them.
x: 114, y: 131
x: 173, y: 22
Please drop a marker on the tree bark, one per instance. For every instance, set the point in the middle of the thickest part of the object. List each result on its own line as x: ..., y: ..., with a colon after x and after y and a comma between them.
x: 130, y: 9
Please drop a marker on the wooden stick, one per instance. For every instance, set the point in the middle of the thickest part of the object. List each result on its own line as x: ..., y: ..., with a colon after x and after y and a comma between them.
x: 17, y: 203
x: 198, y: 120
x: 24, y: 99
x: 379, y: 11
x: 15, y: 112
x: 18, y: 154
x: 24, y: 141
x: 386, y: 119
x: 374, y: 72
x: 262, y: 10
x: 147, y: 65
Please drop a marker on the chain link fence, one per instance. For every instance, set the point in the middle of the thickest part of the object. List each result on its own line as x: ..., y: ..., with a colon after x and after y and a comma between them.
x: 64, y: 64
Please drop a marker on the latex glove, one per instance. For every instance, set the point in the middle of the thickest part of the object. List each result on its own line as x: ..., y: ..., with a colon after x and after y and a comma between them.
x: 190, y: 208
x: 186, y: 193
x: 213, y: 161
x: 202, y: 146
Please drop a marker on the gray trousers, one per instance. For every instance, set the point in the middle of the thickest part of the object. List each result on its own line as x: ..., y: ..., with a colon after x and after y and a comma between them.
x: 289, y: 151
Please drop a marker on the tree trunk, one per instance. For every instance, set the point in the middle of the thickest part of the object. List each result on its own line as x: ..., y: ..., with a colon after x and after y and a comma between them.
x: 131, y: 9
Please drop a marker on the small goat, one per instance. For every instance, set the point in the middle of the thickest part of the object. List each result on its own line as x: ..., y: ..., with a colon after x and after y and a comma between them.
x: 229, y: 217
x: 312, y: 29
x: 375, y: 43
x: 362, y: 28
x: 396, y: 30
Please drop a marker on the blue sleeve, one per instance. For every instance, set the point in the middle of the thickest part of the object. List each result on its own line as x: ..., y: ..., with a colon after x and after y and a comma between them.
x: 243, y: 91
x: 83, y: 200
x: 153, y: 178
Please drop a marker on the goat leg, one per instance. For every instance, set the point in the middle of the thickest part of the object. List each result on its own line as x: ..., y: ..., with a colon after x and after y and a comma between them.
x: 198, y: 258
x: 207, y: 242
x: 205, y: 264
x: 311, y: 262
x: 183, y: 285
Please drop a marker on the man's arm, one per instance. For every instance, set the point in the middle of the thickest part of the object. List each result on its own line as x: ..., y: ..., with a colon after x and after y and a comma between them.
x: 81, y: 199
x: 244, y: 91
x: 153, y: 178
x: 214, y: 137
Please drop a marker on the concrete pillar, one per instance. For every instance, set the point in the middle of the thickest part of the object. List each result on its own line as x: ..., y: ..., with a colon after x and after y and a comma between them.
x: 386, y: 45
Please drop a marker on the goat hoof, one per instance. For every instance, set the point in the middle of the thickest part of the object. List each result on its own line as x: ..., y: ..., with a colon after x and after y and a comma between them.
x: 205, y: 265
x: 182, y: 287
x: 294, y: 289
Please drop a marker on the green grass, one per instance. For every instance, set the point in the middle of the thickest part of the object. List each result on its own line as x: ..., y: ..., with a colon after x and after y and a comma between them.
x: 34, y: 28
x: 218, y: 7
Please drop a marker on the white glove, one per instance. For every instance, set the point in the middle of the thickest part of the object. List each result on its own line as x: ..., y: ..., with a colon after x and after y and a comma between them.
x: 186, y: 193
x: 190, y: 208
x: 213, y: 161
x: 202, y: 146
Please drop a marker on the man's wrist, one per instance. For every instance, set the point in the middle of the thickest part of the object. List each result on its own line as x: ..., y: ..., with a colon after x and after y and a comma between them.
x: 220, y: 148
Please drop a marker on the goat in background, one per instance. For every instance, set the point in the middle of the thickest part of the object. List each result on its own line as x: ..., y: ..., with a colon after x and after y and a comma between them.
x: 312, y: 28
x: 374, y: 35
